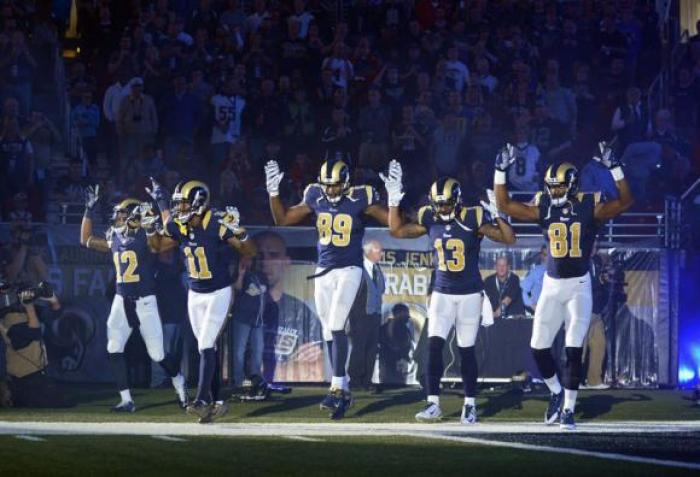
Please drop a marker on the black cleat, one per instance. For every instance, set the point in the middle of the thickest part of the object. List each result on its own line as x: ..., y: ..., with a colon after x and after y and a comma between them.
x: 329, y: 401
x: 554, y: 408
x: 342, y: 402
x: 259, y: 390
x: 200, y: 409
x: 567, y: 420
x: 127, y: 406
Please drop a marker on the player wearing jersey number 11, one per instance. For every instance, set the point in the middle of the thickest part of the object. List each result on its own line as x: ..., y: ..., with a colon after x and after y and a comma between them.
x: 340, y: 211
x: 569, y: 221
x: 458, y: 300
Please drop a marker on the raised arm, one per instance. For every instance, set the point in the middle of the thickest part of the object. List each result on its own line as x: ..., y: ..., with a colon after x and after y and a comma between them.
x: 613, y: 208
x: 392, y: 182
x: 515, y: 209
x: 231, y: 220
x: 502, y: 231
x: 87, y: 239
x: 378, y: 213
x: 281, y: 214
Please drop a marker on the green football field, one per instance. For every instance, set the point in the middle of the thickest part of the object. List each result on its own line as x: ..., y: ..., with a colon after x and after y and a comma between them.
x: 641, y: 432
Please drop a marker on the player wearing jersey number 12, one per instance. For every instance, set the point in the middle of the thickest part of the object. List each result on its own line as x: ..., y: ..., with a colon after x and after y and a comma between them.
x: 570, y: 221
x: 458, y: 300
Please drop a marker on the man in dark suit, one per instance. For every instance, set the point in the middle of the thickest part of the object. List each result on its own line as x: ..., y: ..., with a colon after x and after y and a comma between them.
x: 366, y: 318
x: 504, y: 292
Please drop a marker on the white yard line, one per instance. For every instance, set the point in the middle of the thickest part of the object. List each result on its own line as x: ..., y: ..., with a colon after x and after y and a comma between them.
x: 30, y: 438
x: 169, y: 438
x: 303, y: 438
x: 561, y: 450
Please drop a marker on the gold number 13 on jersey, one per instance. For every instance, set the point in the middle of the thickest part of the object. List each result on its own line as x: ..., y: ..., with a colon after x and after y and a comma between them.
x: 334, y: 229
x: 456, y: 249
x: 564, y: 241
x: 197, y: 263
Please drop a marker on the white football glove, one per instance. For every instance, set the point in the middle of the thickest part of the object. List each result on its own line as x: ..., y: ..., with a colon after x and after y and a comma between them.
x: 392, y: 183
x: 491, y: 206
x: 273, y: 177
x: 231, y: 219
x: 92, y: 196
x: 606, y: 156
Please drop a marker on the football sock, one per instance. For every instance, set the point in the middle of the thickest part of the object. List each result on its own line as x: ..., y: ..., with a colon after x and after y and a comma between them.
x: 119, y: 369
x: 553, y: 384
x: 125, y: 395
x: 329, y: 348
x: 340, y: 354
x: 469, y: 370
x: 547, y: 368
x: 434, y: 399
x: 179, y: 385
x: 435, y: 365
x: 570, y: 399
x: 470, y: 401
x: 207, y: 367
x: 573, y: 367
x: 216, y: 380
x: 346, y: 383
x: 169, y: 366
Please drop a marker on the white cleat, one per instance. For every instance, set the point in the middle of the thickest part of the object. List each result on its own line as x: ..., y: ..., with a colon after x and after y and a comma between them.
x: 430, y: 413
x: 468, y: 414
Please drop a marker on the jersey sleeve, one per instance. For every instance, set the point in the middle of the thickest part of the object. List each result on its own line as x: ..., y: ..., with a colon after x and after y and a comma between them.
x: 311, y: 195
x: 473, y: 217
x: 425, y: 216
x: 371, y: 195
x: 172, y: 230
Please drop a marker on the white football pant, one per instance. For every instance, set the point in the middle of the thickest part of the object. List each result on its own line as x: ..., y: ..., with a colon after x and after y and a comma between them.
x: 118, y: 329
x: 461, y: 311
x: 334, y: 294
x: 563, y: 300
x: 208, y: 313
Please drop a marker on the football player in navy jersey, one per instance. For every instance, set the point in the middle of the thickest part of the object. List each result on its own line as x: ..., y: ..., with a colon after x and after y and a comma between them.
x: 457, y: 300
x: 134, y: 304
x: 340, y: 212
x: 205, y: 237
x: 569, y: 221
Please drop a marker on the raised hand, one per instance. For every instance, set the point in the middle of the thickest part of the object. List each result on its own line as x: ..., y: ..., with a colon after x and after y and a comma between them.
x: 231, y: 219
x: 92, y: 196
x: 392, y: 183
x: 490, y: 205
x: 606, y: 156
x: 273, y: 177
x: 157, y: 192
x: 505, y: 157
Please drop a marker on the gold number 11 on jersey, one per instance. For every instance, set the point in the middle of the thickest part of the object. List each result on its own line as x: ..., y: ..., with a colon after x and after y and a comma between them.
x: 199, y: 270
x: 559, y: 235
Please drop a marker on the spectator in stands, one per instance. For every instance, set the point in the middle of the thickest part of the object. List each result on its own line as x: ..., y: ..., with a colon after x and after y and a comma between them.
x: 550, y: 136
x: 448, y: 145
x: 457, y: 72
x: 180, y: 112
x: 22, y: 259
x: 532, y: 283
x: 338, y: 137
x: 561, y: 101
x: 18, y: 66
x: 340, y: 65
x: 72, y: 187
x: 45, y: 139
x: 484, y: 78
x: 111, y: 102
x: 504, y: 292
x: 137, y: 123
x: 525, y: 175
x: 675, y: 151
x: 16, y: 159
x: 372, y: 128
x: 85, y: 117
x: 228, y: 108
x: 685, y: 99
x: 299, y: 124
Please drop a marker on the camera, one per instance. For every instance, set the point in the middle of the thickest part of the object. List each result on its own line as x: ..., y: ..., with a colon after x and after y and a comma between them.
x: 10, y: 294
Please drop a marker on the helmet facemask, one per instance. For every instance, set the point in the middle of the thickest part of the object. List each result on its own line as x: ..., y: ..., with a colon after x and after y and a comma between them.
x: 125, y: 222
x: 334, y: 191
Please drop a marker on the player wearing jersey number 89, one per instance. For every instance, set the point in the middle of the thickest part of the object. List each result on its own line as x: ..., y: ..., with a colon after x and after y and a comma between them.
x: 458, y: 299
x: 569, y: 222
x: 340, y: 212
x: 134, y: 303
x: 204, y: 237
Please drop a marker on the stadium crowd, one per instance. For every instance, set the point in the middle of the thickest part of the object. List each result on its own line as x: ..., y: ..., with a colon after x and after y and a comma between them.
x: 214, y: 89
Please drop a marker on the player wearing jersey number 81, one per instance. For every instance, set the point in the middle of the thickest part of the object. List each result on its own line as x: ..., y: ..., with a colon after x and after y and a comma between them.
x: 569, y: 221
x: 458, y: 300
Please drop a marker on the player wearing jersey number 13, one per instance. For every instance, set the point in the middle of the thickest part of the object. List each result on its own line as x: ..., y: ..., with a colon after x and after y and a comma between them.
x: 130, y: 239
x: 204, y: 237
x: 569, y: 221
x: 340, y: 212
x: 458, y: 300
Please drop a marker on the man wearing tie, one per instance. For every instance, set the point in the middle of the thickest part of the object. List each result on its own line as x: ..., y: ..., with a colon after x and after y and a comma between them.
x: 366, y: 318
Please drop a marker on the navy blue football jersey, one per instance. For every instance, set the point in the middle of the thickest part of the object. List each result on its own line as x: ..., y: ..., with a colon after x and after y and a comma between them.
x: 570, y: 232
x: 207, y: 255
x: 134, y: 264
x: 340, y: 226
x: 456, y: 246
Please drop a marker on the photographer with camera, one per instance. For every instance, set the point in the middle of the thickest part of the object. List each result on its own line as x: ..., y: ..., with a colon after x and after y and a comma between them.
x: 25, y: 354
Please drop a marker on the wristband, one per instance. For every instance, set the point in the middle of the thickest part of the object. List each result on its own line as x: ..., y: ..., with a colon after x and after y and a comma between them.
x: 617, y: 173
x: 499, y: 177
x: 243, y: 237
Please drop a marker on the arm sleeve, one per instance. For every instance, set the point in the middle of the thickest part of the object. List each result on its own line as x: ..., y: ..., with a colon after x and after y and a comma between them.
x: 310, y: 195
